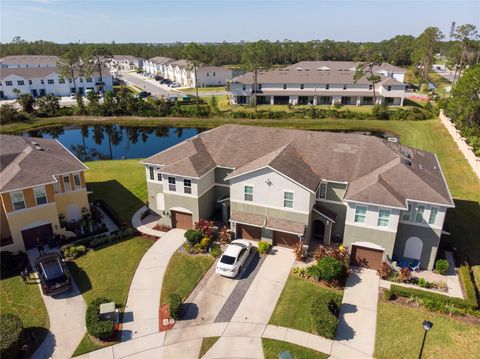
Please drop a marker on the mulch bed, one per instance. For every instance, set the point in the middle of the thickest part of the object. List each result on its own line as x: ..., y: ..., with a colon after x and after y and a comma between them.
x: 152, y: 238
x: 161, y: 228
x: 165, y: 321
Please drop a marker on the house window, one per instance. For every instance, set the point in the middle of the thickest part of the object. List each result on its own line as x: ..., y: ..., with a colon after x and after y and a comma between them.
x: 89, y: 79
x: 383, y: 218
x: 327, y: 87
x: 322, y: 193
x: 259, y: 86
x: 18, y: 200
x: 302, y: 86
x: 389, y: 88
x: 208, y: 74
x: 248, y: 193
x: 76, y: 180
x: 66, y: 182
x: 152, y: 175
x: 8, y: 83
x: 433, y: 215
x: 81, y: 79
x: 40, y: 195
x: 187, y: 186
x: 419, y: 215
x: 159, y: 176
x: 344, y: 87
x: 20, y: 82
x: 50, y: 81
x: 360, y: 214
x: 284, y: 86
x: 370, y: 87
x: 42, y: 81
x: 406, y: 214
x: 214, y: 74
x: 389, y: 100
x: 244, y: 88
x: 288, y: 199
x: 30, y: 82
x: 172, y: 185
x: 61, y: 81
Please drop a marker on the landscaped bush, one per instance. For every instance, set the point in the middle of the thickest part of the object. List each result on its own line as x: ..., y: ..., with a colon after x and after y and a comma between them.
x: 381, y: 112
x: 313, y: 272
x: 300, y: 271
x: 404, y: 275
x: 193, y: 236
x: 468, y: 286
x: 388, y: 295
x: 215, y: 251
x: 341, y: 254
x: 385, y: 271
x: 441, y: 266
x: 330, y: 269
x: 11, y: 329
x: 264, y: 247
x: 12, y: 264
x: 174, y: 305
x: 424, y: 283
x: 224, y: 235
x: 74, y: 252
x: 299, y: 252
x: 104, y: 206
x: 324, y: 314
x: 100, y: 329
x: 206, y: 227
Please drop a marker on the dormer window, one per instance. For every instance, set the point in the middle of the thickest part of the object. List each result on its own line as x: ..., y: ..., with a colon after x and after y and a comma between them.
x: 302, y: 86
x: 344, y: 87
x: 284, y: 86
x: 370, y: 87
x: 389, y: 88
x: 327, y: 87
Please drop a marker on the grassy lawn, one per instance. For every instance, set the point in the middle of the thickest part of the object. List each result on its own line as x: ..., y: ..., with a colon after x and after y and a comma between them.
x: 183, y: 273
x: 118, y: 179
x: 107, y: 272
x: 476, y: 275
x: 25, y: 301
x: 272, y: 348
x: 207, y: 343
x: 204, y: 89
x: 400, y: 334
x: 293, y: 307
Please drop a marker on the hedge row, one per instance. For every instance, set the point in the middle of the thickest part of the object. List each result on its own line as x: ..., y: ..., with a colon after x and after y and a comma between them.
x: 468, y: 286
x: 110, y: 212
x: 11, y: 328
x: 324, y: 314
x: 101, y: 329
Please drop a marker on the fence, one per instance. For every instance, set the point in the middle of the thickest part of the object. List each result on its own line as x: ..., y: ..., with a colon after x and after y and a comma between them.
x: 473, y: 160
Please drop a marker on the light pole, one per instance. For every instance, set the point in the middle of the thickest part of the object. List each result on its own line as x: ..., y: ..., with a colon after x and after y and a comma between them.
x: 426, y: 326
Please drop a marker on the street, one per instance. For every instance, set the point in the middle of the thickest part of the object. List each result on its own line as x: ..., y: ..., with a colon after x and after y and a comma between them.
x: 149, y: 85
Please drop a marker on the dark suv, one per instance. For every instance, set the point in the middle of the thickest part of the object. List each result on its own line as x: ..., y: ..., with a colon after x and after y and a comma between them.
x: 53, y: 273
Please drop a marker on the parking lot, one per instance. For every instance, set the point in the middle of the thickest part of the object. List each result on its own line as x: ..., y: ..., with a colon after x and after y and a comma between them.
x: 149, y: 85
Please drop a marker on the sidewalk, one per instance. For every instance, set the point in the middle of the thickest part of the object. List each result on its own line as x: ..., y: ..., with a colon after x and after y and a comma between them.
x: 143, y: 303
x: 145, y: 228
x: 355, y: 337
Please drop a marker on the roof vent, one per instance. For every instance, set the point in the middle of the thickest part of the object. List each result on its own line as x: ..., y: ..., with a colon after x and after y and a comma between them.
x: 37, y: 146
x: 299, y: 69
x: 408, y: 162
x: 420, y: 166
x: 392, y: 139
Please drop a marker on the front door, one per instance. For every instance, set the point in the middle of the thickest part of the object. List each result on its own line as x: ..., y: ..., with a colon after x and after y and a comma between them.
x: 34, y: 93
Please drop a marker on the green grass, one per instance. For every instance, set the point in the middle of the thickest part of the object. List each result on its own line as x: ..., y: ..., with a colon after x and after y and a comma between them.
x: 183, y: 273
x: 293, y: 307
x: 207, y: 343
x: 25, y: 301
x: 468, y: 285
x: 107, y: 272
x: 120, y: 183
x: 272, y: 348
x: 399, y: 334
x: 476, y: 275
x: 204, y: 89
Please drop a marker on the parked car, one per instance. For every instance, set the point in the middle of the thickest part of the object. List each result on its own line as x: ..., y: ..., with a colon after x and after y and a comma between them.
x: 174, y: 84
x: 73, y: 96
x: 143, y: 94
x: 233, y: 259
x: 158, y: 78
x: 166, y: 81
x: 53, y: 273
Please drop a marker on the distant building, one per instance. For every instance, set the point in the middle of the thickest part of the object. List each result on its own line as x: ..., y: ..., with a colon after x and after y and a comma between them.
x: 124, y: 63
x: 39, y: 76
x: 319, y: 83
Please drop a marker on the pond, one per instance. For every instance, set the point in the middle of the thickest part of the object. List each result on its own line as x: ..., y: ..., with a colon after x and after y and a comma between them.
x: 97, y: 142
x: 91, y: 143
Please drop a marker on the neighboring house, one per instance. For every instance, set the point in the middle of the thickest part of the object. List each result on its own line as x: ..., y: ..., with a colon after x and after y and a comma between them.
x: 40, y: 181
x: 319, y: 83
x: 42, y: 81
x: 28, y: 61
x: 124, y: 63
x: 157, y: 65
x: 380, y: 198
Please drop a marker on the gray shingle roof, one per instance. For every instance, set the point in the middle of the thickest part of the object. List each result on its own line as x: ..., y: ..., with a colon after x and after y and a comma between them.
x: 309, y: 156
x: 29, y: 59
x: 23, y: 164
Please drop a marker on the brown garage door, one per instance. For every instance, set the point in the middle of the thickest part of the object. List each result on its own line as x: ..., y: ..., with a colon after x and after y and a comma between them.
x: 366, y: 257
x: 285, y: 239
x: 249, y: 232
x: 181, y: 220
x: 30, y: 236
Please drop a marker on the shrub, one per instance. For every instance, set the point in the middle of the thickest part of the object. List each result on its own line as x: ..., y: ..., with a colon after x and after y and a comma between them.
x: 385, y: 271
x: 206, y: 227
x: 215, y: 251
x: 330, y: 269
x: 74, y: 252
x: 441, y: 266
x: 300, y: 271
x: 313, y: 272
x: 299, y: 252
x: 423, y: 283
x: 468, y: 286
x: 11, y: 329
x: 193, y: 236
x: 101, y: 329
x: 264, y: 247
x: 324, y: 314
x: 224, y: 235
x: 174, y: 305
x: 205, y: 243
x: 404, y: 275
x: 388, y: 295
x: 380, y: 112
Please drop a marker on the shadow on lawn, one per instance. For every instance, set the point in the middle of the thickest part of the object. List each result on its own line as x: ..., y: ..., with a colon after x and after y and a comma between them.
x: 80, y: 277
x: 119, y: 199
x: 32, y: 339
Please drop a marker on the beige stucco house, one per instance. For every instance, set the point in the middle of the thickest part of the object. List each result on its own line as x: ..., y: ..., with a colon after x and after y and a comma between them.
x: 40, y: 181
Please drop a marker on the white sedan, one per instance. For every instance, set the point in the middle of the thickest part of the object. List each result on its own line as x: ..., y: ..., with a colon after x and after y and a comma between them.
x: 234, y: 257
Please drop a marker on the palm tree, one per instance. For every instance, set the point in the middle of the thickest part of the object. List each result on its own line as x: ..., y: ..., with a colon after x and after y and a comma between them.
x: 195, y: 56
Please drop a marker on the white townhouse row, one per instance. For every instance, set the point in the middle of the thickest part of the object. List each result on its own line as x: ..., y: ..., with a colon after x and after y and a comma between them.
x: 180, y: 72
x: 319, y: 83
x: 124, y: 63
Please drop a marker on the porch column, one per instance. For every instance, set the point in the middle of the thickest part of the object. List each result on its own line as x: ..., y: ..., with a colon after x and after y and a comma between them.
x: 272, y: 101
x: 401, y: 101
x: 358, y: 100
x: 333, y: 100
x: 315, y: 100
x: 327, y: 233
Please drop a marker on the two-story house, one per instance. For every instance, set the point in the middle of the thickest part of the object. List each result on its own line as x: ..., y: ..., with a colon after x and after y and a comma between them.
x: 381, y: 199
x: 40, y: 182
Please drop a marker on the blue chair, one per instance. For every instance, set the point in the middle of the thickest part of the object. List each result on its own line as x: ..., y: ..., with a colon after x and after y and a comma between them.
x: 415, y: 265
x: 403, y: 263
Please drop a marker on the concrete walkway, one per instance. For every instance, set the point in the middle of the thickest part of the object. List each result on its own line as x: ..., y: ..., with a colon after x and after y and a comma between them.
x: 143, y: 303
x: 355, y: 337
x: 66, y: 312
x: 259, y: 302
x: 144, y: 226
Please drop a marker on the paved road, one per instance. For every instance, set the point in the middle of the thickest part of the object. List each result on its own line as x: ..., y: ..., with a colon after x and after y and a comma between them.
x: 149, y: 85
x: 448, y: 74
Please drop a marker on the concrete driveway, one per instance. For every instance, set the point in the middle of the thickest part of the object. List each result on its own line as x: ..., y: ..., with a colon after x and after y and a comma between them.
x: 149, y: 85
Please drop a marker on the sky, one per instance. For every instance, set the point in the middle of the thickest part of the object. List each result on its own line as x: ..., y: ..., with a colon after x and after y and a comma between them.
x: 162, y: 21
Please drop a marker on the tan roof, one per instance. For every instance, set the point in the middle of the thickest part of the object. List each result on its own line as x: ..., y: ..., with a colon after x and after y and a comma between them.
x: 125, y: 57
x: 344, y: 65
x: 27, y: 162
x: 29, y: 59
x: 180, y: 63
x: 284, y: 225
x: 39, y: 72
x: 161, y: 60
x: 302, y: 155
x: 256, y: 220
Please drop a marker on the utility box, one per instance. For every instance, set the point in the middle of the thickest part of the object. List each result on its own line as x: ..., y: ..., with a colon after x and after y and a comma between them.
x: 107, y: 311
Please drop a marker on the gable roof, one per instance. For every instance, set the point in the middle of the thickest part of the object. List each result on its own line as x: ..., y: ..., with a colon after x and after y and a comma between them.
x: 160, y: 60
x: 29, y: 161
x: 343, y: 65
x: 29, y: 60
x: 41, y: 72
x: 370, y: 165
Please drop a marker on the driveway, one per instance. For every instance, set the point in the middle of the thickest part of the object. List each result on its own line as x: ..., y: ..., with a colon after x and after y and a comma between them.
x: 66, y: 312
x: 143, y: 303
x: 355, y: 337
x: 261, y: 298
x: 149, y: 85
